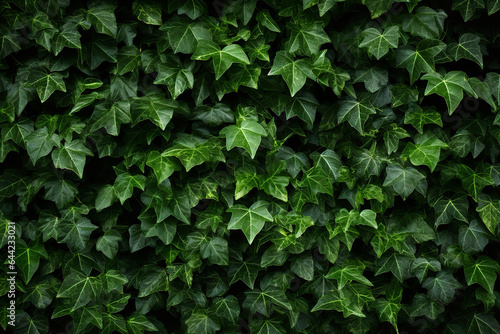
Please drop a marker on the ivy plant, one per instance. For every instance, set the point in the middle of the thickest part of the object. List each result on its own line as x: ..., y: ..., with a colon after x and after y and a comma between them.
x: 251, y: 166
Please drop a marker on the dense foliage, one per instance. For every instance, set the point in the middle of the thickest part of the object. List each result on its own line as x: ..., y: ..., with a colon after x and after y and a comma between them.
x: 271, y: 166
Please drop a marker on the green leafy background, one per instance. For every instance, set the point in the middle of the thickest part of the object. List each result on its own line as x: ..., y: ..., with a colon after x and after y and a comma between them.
x: 315, y: 166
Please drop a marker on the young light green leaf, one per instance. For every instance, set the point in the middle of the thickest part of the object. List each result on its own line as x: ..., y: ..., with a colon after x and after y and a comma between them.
x: 450, y: 87
x: 246, y: 135
x: 347, y: 274
x: 294, y: 72
x: 425, y: 151
x: 184, y: 34
x: 419, y: 117
x: 489, y: 211
x: 249, y: 220
x: 222, y: 59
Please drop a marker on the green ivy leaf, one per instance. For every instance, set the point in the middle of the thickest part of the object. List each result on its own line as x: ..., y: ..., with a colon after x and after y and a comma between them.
x: 425, y: 151
x: 450, y: 87
x: 222, y: 59
x: 426, y: 22
x: 79, y: 288
x: 482, y: 271
x: 466, y: 48
x: 489, y: 211
x: 403, y: 180
x: 377, y: 43
x: 467, y: 7
x: 249, y: 220
x: 294, y: 72
x: 247, y: 135
x: 71, y: 156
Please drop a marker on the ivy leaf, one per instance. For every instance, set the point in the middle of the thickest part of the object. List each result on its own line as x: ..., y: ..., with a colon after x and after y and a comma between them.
x: 314, y: 179
x: 426, y: 22
x: 493, y: 6
x: 467, y: 48
x: 294, y: 72
x: 483, y: 323
x: 419, y: 60
x: 138, y: 323
x: 227, y: 308
x: 249, y: 220
x: 79, y: 288
x: 442, y: 287
x: 397, y: 264
x: 154, y: 108
x: 425, y: 151
x: 334, y: 301
x: 260, y: 301
x: 246, y: 135
x: 125, y: 184
x: 28, y: 258
x: 473, y: 237
x: 467, y: 7
x: 266, y: 20
x: 306, y: 38
x: 356, y: 112
x: 103, y: 18
x: 163, y: 166
x: 222, y: 59
x: 347, y: 274
x: 184, y: 34
x: 402, y: 180
x: 489, y: 211
x: 374, y: 78
x: 473, y: 182
x: 71, y: 156
x: 304, y: 106
x: 450, y: 87
x: 295, y: 162
x: 420, y: 267
x: 377, y: 43
x: 482, y: 271
x: 45, y: 83
x: 275, y: 182
x: 329, y: 161
x: 378, y: 7
x: 246, y: 271
x: 40, y: 143
x: 447, y: 209
x: 147, y: 12
x: 216, y: 250
x: 419, y: 117
x: 201, y: 323
x: 111, y: 118
x: 108, y: 243
x: 425, y: 305
x: 191, y: 152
